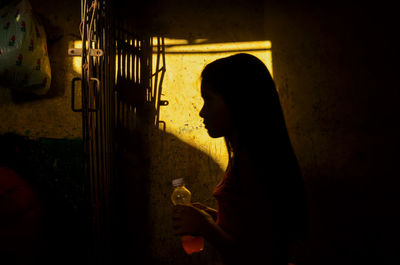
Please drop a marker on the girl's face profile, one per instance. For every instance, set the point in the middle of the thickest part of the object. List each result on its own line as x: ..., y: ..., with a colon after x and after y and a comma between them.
x: 216, y: 116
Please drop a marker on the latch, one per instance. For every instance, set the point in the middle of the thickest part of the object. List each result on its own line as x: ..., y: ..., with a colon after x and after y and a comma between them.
x: 78, y: 52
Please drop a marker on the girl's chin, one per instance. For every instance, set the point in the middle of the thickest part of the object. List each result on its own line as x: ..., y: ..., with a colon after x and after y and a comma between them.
x: 213, y: 134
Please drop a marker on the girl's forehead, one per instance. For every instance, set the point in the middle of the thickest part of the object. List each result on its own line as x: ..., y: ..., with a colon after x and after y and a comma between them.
x: 207, y: 87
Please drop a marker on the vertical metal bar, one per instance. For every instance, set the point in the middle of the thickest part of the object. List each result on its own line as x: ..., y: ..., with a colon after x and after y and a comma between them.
x: 156, y: 74
x: 134, y: 70
x: 137, y: 65
x: 98, y: 140
x: 119, y: 72
x: 162, y: 70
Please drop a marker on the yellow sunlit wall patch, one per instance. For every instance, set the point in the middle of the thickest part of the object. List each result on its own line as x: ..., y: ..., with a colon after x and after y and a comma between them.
x: 181, y: 87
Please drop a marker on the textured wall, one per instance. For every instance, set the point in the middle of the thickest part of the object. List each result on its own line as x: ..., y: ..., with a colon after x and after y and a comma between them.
x: 49, y: 149
x: 182, y: 152
x: 50, y: 115
x: 335, y: 70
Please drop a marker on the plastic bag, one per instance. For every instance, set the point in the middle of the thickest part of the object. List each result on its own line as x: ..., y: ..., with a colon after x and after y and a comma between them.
x: 24, y: 61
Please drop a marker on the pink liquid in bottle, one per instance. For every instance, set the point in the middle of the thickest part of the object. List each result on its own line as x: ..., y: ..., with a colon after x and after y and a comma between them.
x: 181, y: 195
x: 192, y: 244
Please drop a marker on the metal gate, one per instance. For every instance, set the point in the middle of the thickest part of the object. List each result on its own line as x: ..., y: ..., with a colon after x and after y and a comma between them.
x: 121, y: 86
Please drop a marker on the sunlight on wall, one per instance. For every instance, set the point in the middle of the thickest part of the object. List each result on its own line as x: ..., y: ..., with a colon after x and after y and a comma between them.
x: 77, y: 60
x: 181, y: 87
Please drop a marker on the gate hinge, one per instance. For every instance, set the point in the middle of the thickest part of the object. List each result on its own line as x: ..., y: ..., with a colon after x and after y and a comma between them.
x: 78, y: 52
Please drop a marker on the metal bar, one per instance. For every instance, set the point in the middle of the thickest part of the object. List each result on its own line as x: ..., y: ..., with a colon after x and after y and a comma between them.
x: 114, y: 95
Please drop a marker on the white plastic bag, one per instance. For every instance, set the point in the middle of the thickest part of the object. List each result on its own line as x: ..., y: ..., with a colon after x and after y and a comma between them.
x: 24, y: 62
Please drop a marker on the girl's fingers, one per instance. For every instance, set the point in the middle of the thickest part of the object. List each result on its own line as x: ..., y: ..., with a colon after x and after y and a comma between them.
x: 180, y: 207
x: 176, y: 211
x: 199, y: 206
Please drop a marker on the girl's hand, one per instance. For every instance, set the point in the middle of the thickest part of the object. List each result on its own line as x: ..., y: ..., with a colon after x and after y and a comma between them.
x: 189, y: 220
x: 207, y: 209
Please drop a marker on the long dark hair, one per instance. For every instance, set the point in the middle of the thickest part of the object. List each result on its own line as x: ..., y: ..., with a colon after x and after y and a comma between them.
x: 250, y: 95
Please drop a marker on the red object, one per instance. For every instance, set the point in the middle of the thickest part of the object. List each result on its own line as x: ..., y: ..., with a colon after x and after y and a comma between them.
x: 21, y: 217
x: 192, y: 244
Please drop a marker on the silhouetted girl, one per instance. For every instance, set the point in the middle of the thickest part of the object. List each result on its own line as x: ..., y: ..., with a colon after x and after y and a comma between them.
x: 261, y: 200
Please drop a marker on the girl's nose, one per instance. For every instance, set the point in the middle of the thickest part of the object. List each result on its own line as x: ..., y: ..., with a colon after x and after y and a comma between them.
x: 201, y: 113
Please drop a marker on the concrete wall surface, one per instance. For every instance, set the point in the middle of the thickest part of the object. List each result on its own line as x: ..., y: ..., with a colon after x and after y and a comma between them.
x: 335, y: 68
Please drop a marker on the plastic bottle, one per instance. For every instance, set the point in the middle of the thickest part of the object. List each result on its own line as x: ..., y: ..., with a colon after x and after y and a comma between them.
x: 181, y: 195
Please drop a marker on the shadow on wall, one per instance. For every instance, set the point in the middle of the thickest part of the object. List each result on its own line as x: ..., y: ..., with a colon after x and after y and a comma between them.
x: 146, y: 165
x: 141, y: 219
x: 354, y: 218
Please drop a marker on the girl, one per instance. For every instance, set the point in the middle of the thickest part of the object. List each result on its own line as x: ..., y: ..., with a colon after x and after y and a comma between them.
x: 261, y: 199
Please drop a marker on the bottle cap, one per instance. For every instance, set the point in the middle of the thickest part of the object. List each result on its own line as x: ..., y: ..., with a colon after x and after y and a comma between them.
x: 177, y: 182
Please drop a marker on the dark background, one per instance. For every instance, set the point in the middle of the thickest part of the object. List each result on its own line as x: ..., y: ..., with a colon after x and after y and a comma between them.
x: 335, y: 65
